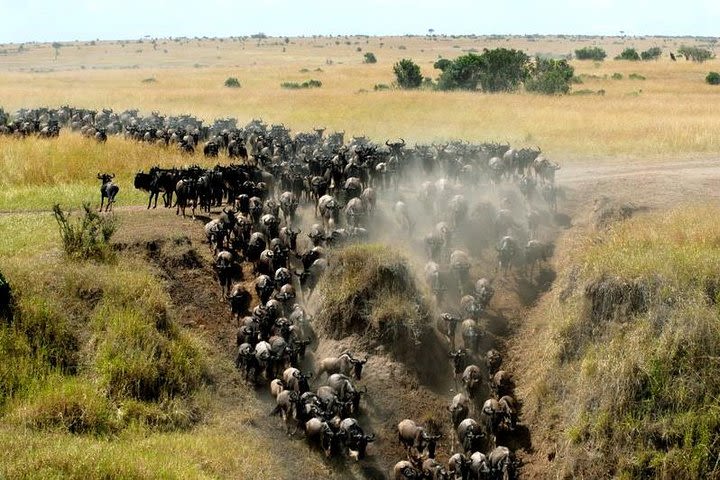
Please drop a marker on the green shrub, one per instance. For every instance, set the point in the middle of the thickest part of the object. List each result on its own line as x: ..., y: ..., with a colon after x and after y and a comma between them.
x: 713, y: 78
x: 70, y: 404
x: 696, y: 54
x: 369, y: 57
x: 407, y: 74
x: 463, y: 73
x: 551, y: 77
x: 651, y: 53
x: 303, y: 85
x: 381, y: 86
x: 590, y: 53
x: 628, y: 54
x: 87, y: 238
x: 636, y: 76
x: 135, y: 359
x: 616, y: 76
x: 442, y: 64
x: 232, y: 82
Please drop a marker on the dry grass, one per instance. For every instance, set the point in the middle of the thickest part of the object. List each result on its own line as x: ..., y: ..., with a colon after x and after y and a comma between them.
x: 623, y: 353
x: 671, y: 112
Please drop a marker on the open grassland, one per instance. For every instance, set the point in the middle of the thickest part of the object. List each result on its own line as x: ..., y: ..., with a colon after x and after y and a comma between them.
x: 35, y: 174
x: 671, y: 112
x: 623, y: 353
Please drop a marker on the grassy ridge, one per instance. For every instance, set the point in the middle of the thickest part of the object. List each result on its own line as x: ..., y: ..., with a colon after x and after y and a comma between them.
x: 98, y: 380
x: 625, y: 352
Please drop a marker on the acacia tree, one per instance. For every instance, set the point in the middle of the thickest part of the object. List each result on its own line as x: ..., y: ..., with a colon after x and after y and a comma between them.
x: 550, y: 77
x: 57, y: 46
x: 503, y: 69
x: 407, y: 74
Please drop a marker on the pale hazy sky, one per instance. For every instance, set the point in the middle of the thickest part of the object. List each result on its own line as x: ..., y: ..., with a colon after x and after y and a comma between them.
x: 49, y: 20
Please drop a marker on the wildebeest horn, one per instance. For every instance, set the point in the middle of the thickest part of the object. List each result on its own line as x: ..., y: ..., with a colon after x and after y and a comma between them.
x: 296, y: 374
x: 402, y: 141
x: 112, y: 175
x: 387, y: 142
x: 99, y: 176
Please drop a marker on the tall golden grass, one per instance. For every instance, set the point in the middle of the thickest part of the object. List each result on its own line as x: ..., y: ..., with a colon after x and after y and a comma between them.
x: 672, y: 112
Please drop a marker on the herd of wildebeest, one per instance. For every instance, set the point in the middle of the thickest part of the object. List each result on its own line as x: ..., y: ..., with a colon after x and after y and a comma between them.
x: 268, y: 177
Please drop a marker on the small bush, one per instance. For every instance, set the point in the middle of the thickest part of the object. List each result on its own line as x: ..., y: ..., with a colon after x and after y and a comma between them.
x: 651, y: 53
x: 70, y: 404
x: 442, y: 64
x: 587, y: 91
x: 629, y: 54
x: 87, y: 238
x: 590, y: 53
x: 636, y: 76
x: 149, y: 80
x: 696, y: 54
x: 232, y: 82
x: 617, y: 76
x: 407, y: 74
x: 303, y: 85
x: 713, y: 78
x: 369, y: 57
x: 381, y: 86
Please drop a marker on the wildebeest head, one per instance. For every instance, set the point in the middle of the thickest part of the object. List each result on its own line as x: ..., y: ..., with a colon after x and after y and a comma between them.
x: 459, y: 360
x: 432, y: 444
x: 105, y: 177
x: 302, y: 379
x: 358, y: 366
x: 360, y: 442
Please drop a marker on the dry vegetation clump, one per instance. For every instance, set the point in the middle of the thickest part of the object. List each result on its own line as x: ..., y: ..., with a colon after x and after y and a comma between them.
x: 624, y: 359
x: 370, y: 290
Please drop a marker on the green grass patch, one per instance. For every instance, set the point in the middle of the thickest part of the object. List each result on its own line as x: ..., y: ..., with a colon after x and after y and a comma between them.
x: 628, y: 356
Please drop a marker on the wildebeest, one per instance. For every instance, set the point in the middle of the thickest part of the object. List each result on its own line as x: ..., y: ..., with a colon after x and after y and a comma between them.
x: 320, y: 432
x: 501, y: 463
x: 536, y: 251
x: 414, y: 436
x: 507, y: 250
x: 329, y: 208
x: 344, y: 364
x: 354, y: 439
x: 108, y: 189
x: 405, y: 470
x: 472, y: 380
x: 459, y: 409
x: 493, y: 361
x: 471, y: 435
x: 460, y: 265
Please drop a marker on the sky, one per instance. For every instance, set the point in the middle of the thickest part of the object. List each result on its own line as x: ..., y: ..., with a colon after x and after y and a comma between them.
x: 65, y: 20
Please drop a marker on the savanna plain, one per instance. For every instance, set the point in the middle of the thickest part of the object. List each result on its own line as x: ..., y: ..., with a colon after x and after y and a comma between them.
x: 123, y: 366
